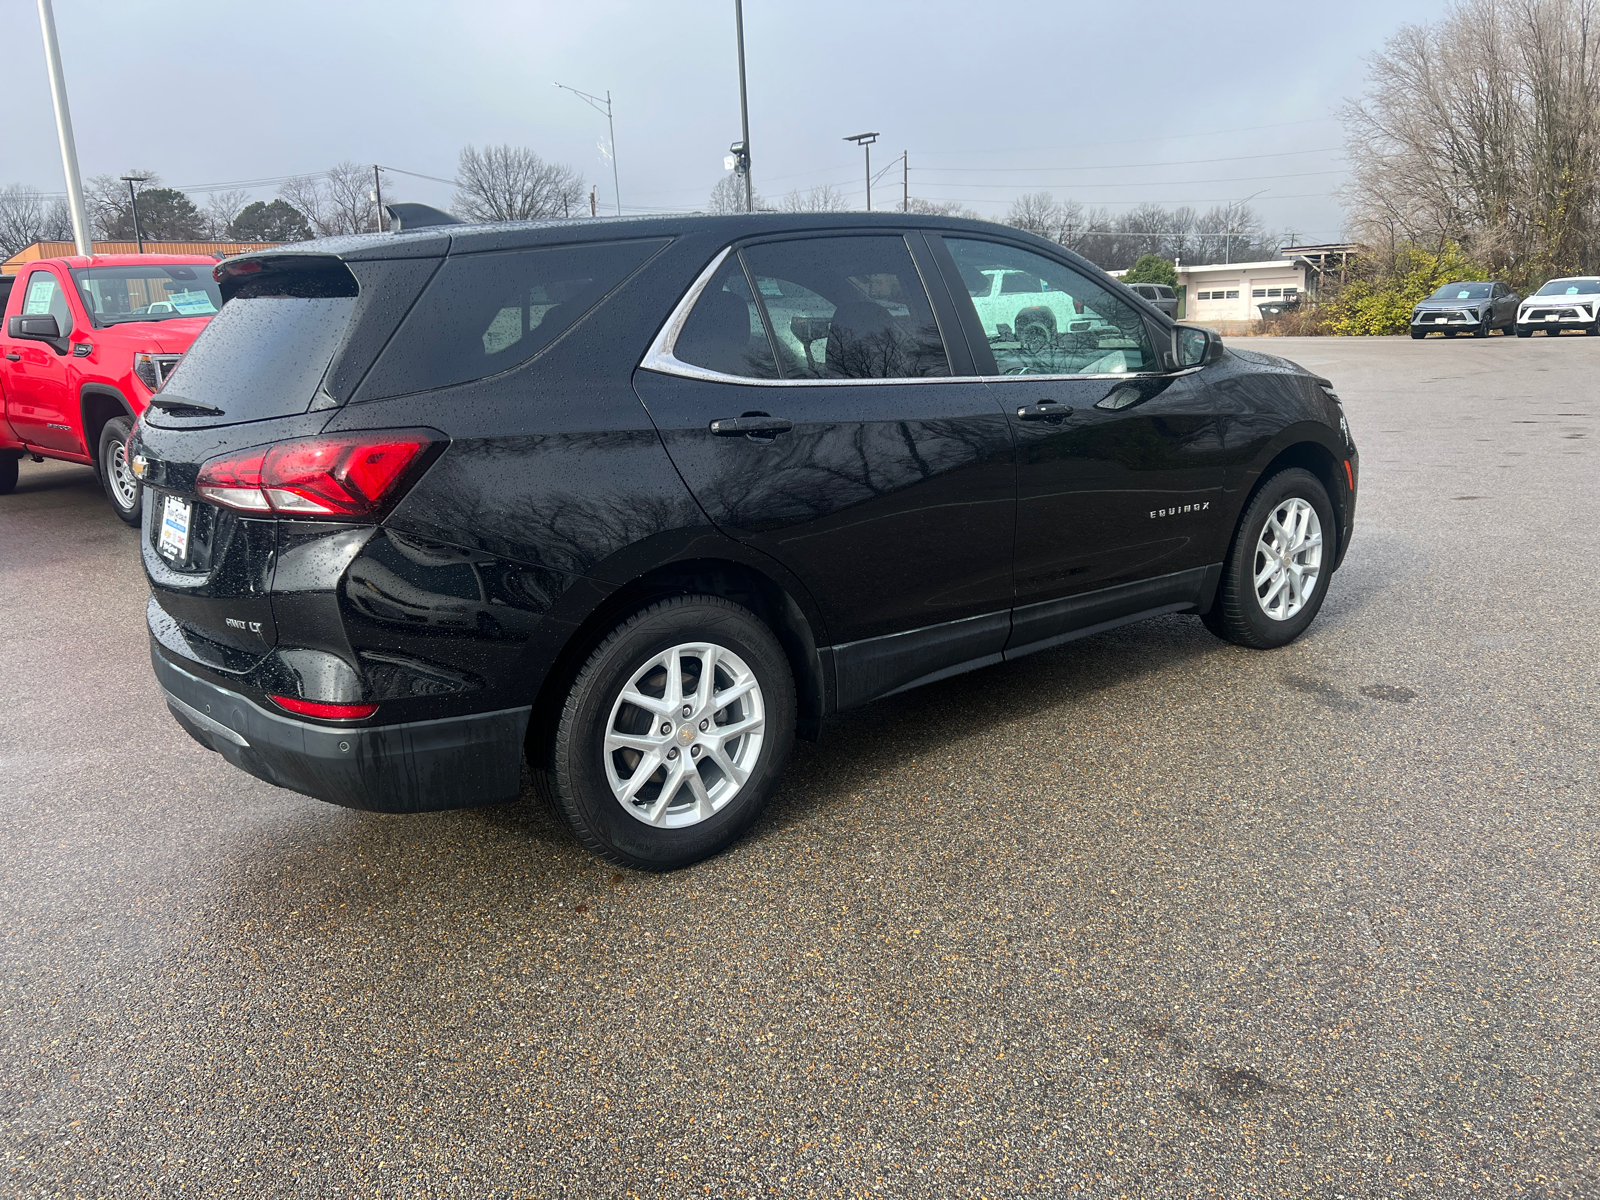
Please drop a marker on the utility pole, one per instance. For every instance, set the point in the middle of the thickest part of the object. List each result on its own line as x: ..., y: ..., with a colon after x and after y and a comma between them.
x: 905, y: 181
x: 744, y: 108
x: 133, y: 201
x: 377, y: 194
x: 594, y: 210
x: 594, y: 102
x: 865, y: 140
x: 69, y: 149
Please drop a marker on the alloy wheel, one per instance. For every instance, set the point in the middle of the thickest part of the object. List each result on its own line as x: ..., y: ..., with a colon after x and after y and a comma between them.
x: 684, y: 735
x: 1288, y: 559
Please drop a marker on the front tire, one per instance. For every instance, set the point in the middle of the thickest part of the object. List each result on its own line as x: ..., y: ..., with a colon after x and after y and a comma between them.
x: 1279, y: 565
x: 1418, y: 334
x: 122, y: 489
x: 9, y: 461
x: 1521, y: 332
x: 1484, y: 328
x: 674, y: 734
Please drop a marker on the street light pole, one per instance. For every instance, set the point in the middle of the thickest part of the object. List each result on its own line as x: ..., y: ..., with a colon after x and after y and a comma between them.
x: 69, y: 149
x: 744, y: 108
x: 133, y: 201
x: 595, y: 103
x: 865, y: 140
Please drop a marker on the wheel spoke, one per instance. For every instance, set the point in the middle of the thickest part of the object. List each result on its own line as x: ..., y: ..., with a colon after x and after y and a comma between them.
x: 633, y: 695
x: 1277, y: 587
x: 726, y: 765
x: 706, y: 685
x: 722, y: 699
x: 641, y: 776
x: 674, y: 685
x: 1266, y: 572
x: 726, y: 733
x: 703, y: 807
x: 644, y: 743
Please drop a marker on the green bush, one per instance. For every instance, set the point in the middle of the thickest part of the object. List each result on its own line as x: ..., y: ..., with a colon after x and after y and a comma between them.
x: 1152, y: 268
x: 1382, y: 302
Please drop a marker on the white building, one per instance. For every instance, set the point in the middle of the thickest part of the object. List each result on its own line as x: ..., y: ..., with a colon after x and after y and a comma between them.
x: 1223, y: 294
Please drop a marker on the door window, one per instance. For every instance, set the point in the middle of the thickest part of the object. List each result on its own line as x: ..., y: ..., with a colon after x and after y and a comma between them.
x: 45, y: 297
x: 847, y: 308
x: 1055, y: 321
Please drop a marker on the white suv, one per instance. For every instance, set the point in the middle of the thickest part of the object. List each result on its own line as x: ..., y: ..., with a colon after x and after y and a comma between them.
x: 1572, y: 303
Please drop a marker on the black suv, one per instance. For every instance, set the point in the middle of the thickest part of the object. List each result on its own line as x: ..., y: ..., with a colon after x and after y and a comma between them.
x: 641, y: 499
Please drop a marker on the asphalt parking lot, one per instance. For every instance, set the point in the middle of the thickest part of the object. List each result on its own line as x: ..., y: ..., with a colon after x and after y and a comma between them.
x: 1146, y: 916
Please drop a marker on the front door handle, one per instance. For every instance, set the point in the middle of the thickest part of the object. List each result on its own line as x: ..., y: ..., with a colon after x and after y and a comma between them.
x: 14, y: 357
x: 1045, y: 410
x: 759, y: 424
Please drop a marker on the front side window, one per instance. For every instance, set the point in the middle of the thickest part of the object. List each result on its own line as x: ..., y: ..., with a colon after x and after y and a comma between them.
x: 847, y: 308
x: 1069, y: 325
x: 116, y: 295
x: 45, y: 298
x: 488, y: 312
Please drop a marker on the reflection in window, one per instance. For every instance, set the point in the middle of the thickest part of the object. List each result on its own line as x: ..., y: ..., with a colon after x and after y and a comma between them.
x: 847, y: 308
x: 1064, y: 324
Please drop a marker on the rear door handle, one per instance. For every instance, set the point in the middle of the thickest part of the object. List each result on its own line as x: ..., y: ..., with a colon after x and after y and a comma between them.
x: 1045, y: 410
x: 751, y: 423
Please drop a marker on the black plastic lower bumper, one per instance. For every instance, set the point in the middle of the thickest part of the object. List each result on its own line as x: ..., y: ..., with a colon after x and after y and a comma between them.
x: 420, y: 766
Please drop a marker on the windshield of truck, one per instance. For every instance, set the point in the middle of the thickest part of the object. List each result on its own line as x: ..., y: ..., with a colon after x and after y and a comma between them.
x: 1571, y: 287
x: 1463, y: 291
x: 114, y: 295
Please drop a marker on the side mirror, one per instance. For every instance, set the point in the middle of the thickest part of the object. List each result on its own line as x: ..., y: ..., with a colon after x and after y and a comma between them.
x: 38, y: 328
x: 1193, y: 347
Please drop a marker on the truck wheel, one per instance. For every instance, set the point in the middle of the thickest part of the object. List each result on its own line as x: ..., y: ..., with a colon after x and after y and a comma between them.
x: 122, y: 489
x: 673, y: 735
x: 8, y: 471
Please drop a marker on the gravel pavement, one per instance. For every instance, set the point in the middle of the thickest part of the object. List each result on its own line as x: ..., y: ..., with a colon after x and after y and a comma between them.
x: 1145, y: 916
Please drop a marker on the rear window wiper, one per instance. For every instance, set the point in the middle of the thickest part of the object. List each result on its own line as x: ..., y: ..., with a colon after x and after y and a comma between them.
x: 179, y: 407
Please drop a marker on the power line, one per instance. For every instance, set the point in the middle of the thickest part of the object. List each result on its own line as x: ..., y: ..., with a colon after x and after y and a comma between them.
x: 1166, y: 137
x: 1140, y: 182
x: 1182, y: 162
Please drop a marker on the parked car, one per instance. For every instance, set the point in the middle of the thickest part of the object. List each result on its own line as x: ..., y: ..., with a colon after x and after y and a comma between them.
x: 1478, y: 307
x: 1561, y: 304
x: 1159, y: 294
x: 641, y: 499
x: 87, y: 343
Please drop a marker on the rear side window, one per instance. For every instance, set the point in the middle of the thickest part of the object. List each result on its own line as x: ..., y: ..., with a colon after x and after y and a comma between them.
x: 486, y: 313
x: 847, y: 308
x: 724, y: 332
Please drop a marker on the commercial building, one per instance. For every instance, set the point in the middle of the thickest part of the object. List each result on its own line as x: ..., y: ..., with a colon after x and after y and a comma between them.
x: 40, y: 250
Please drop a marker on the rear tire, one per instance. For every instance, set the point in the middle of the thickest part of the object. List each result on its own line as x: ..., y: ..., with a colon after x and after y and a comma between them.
x: 1279, y: 565
x: 702, y: 788
x: 9, y: 461
x: 122, y: 489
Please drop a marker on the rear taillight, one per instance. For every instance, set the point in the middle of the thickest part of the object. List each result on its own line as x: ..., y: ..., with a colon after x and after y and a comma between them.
x: 341, y: 475
x: 325, y: 712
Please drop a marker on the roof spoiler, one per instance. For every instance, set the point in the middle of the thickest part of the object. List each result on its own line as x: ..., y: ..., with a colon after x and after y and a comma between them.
x: 417, y: 216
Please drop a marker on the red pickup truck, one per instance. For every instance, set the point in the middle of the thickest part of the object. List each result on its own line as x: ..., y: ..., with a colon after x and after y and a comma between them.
x: 86, y: 343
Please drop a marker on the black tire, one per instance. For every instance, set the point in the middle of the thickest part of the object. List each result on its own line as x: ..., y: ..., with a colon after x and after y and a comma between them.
x: 1237, y: 614
x: 571, y: 768
x: 123, y: 491
x: 1484, y: 328
x: 1521, y: 332
x: 1418, y: 334
x: 1450, y: 333
x: 9, y: 461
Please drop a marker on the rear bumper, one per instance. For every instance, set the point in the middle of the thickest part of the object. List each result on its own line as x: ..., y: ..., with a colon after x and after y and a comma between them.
x: 419, y: 766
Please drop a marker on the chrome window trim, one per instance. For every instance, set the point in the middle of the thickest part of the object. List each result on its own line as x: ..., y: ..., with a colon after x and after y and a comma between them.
x: 661, y: 359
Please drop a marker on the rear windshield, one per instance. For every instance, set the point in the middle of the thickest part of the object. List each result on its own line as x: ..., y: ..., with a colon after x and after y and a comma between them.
x: 486, y: 313
x: 1571, y: 287
x: 114, y: 295
x: 261, y: 357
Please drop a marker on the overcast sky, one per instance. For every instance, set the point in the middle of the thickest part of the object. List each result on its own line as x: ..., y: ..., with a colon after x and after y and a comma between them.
x: 1110, y: 103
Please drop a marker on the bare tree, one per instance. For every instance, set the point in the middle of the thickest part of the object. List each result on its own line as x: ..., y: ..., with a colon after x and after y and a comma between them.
x: 106, y: 198
x: 728, y: 196
x: 1039, y: 213
x: 27, y: 217
x: 220, y: 210
x: 512, y: 183
x: 944, y: 208
x: 1484, y: 129
x: 823, y: 198
x: 338, y: 201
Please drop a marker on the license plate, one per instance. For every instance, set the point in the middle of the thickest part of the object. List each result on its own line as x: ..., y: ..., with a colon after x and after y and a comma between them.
x: 174, y: 541
x: 1440, y: 320
x: 1551, y: 317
